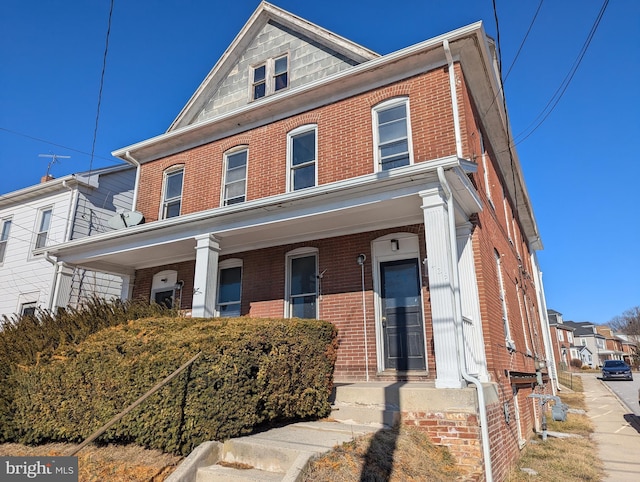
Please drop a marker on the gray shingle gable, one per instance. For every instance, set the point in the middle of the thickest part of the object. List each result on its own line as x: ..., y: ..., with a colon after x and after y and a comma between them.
x: 318, y: 53
x: 308, y: 61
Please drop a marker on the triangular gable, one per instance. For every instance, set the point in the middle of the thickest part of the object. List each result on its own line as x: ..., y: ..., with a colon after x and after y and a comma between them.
x: 314, y: 52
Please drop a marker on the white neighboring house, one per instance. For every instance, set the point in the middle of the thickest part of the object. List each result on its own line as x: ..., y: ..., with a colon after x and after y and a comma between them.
x: 52, y: 212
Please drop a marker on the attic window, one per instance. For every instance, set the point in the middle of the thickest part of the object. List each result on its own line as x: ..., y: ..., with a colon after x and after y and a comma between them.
x: 269, y: 77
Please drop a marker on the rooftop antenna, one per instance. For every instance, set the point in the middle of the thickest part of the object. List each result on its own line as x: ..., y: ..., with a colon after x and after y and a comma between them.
x: 54, y: 159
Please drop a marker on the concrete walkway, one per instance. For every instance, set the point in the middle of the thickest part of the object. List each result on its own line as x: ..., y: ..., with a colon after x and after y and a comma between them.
x: 616, y: 431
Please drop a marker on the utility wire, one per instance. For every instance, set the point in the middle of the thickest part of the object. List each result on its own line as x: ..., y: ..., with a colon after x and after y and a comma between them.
x: 104, y: 68
x: 52, y: 143
x: 504, y: 105
x: 551, y: 105
x: 513, y: 62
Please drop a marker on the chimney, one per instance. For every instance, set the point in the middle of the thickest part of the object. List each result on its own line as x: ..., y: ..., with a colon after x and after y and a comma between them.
x: 46, y: 178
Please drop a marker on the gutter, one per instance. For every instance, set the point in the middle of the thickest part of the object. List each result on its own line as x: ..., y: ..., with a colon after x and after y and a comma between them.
x: 458, y: 322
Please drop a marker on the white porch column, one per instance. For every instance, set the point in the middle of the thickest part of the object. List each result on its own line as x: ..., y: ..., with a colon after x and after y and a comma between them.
x: 440, y: 267
x: 126, y: 290
x: 474, y: 342
x: 62, y: 289
x: 205, y: 279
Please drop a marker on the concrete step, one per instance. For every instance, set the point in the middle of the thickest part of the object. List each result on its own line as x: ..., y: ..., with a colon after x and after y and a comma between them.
x: 218, y: 473
x: 277, y: 454
x: 371, y: 415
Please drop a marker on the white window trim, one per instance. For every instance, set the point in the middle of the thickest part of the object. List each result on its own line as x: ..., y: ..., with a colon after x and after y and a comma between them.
x: 377, y: 167
x: 5, y: 241
x: 37, y: 231
x: 290, y: 169
x: 228, y: 153
x: 168, y: 172
x: 226, y: 264
x: 269, y: 76
x: 299, y: 253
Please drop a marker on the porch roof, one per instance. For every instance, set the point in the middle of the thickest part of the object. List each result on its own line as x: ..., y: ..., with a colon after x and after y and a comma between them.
x: 375, y: 201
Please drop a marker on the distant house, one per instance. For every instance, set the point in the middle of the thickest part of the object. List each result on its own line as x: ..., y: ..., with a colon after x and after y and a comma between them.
x: 614, y: 345
x: 310, y: 177
x: 586, y: 334
x: 563, y: 338
x: 52, y: 212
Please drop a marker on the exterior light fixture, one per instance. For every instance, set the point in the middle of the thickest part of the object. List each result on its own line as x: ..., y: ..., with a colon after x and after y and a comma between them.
x: 361, y: 259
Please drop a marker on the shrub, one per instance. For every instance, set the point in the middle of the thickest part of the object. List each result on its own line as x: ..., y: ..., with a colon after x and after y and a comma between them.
x: 576, y: 363
x: 250, y: 372
x: 32, y: 339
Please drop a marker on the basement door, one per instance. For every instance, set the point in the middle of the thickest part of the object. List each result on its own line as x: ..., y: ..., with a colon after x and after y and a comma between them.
x: 402, y: 326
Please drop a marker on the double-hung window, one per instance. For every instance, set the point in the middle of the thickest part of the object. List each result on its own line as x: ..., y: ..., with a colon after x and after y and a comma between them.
x: 172, y: 196
x: 4, y: 238
x: 269, y: 77
x: 230, y: 288
x: 302, y: 154
x: 44, y: 224
x: 302, y: 284
x: 503, y: 300
x: 235, y: 177
x: 391, y: 132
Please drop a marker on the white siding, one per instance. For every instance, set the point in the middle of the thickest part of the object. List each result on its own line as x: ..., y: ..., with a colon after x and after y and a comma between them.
x: 24, y: 277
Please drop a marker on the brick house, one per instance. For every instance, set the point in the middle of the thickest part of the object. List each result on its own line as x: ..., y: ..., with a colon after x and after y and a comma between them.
x: 311, y: 177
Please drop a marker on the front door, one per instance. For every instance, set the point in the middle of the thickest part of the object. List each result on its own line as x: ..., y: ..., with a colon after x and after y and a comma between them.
x: 402, y: 326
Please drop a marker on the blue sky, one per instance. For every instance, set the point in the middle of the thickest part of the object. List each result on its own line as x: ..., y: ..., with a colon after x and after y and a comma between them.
x: 579, y: 163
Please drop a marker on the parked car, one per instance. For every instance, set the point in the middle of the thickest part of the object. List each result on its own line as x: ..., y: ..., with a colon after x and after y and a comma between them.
x: 616, y: 370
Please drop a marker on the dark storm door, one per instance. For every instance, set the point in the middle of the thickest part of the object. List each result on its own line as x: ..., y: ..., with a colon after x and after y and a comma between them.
x: 402, y: 326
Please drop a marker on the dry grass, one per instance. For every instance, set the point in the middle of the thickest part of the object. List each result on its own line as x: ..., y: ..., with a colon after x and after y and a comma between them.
x: 569, y: 459
x: 566, y: 460
x: 112, y: 462
x: 403, y: 455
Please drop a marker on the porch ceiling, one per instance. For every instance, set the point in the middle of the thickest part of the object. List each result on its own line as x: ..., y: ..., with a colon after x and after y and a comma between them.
x: 374, y: 202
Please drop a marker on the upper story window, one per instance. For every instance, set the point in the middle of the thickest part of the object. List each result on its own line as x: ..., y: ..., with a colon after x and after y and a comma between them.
x: 302, y: 154
x: 560, y: 335
x: 570, y: 337
x: 391, y: 134
x: 485, y: 168
x: 230, y: 288
x: 269, y: 77
x: 4, y: 237
x: 172, y: 193
x: 302, y: 284
x: 44, y: 223
x: 235, y: 177
x: 503, y: 300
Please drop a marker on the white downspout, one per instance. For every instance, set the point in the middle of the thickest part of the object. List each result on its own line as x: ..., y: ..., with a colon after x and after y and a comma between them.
x: 73, y: 202
x: 482, y: 405
x: 458, y: 322
x: 54, y: 282
x: 134, y: 201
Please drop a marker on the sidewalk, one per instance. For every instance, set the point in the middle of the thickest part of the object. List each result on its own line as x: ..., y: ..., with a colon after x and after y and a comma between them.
x: 616, y: 431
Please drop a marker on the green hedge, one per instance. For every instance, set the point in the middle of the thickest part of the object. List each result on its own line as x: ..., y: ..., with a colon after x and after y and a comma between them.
x: 29, y: 340
x: 251, y: 372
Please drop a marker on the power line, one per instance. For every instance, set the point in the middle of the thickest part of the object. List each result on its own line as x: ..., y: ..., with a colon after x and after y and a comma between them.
x: 513, y: 62
x: 562, y: 88
x: 44, y: 141
x: 104, y: 68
